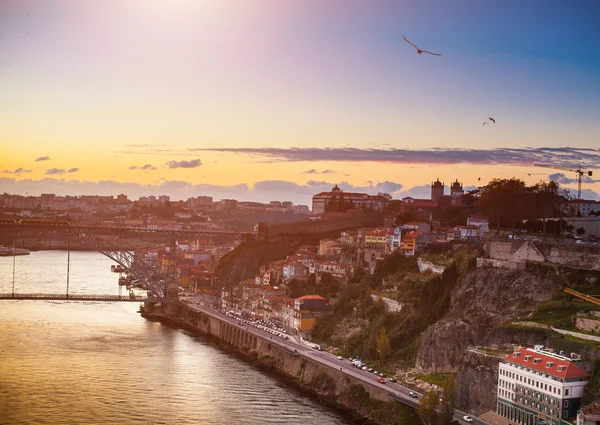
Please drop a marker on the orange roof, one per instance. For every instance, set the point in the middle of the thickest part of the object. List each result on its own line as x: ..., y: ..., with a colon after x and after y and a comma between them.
x: 310, y: 297
x: 568, y: 369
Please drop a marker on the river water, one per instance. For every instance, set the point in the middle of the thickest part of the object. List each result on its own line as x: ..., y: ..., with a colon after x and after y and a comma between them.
x: 101, y: 363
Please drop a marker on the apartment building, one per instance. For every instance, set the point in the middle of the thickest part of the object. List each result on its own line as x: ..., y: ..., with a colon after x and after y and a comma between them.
x: 537, y: 387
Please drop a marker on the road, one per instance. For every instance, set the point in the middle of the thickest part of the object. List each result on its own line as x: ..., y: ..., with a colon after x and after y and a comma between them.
x: 396, y: 390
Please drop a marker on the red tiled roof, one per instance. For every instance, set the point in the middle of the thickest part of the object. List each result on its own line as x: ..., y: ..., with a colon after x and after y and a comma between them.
x: 310, y: 297
x: 569, y: 369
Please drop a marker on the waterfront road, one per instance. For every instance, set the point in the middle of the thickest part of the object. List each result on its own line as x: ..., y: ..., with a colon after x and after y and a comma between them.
x: 397, y: 391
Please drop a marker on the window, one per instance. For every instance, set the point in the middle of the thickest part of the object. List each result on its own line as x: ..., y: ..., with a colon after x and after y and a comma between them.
x: 566, y: 392
x: 566, y: 403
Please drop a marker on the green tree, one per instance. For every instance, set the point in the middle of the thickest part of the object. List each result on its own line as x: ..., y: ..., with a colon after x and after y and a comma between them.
x: 405, y: 217
x: 506, y: 201
x: 428, y: 408
x: 384, y: 350
x: 448, y: 401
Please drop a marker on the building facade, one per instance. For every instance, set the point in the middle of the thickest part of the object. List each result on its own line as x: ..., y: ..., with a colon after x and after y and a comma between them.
x: 337, y: 199
x: 537, y: 386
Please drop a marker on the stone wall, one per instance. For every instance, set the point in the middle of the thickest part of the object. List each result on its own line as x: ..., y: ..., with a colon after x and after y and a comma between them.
x: 425, y: 265
x: 330, y: 384
x: 587, y: 324
x: 567, y: 254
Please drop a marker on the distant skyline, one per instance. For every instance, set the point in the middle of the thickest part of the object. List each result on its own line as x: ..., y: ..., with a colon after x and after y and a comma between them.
x: 252, y: 100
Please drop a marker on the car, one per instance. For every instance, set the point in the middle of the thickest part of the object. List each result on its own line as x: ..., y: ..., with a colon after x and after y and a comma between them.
x: 467, y: 418
x: 382, y: 375
x: 392, y: 380
x: 364, y: 368
x: 340, y: 358
x: 381, y: 380
x: 370, y: 369
x: 413, y: 394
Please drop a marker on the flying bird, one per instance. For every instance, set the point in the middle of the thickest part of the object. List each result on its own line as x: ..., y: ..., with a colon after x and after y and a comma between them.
x: 491, y: 119
x: 479, y: 179
x: 529, y: 174
x: 419, y: 51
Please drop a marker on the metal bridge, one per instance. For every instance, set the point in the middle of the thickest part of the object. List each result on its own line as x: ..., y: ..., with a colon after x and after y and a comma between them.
x: 79, y: 297
x: 101, y: 238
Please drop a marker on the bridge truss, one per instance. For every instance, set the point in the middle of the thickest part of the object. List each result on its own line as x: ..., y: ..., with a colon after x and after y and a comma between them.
x: 99, y: 238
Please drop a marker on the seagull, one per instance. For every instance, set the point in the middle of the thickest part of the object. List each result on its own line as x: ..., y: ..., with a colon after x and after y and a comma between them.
x: 479, y: 179
x: 419, y: 51
x: 529, y: 174
x: 492, y: 120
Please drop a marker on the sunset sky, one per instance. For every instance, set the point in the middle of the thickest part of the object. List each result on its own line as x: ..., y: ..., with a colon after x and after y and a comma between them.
x: 278, y: 100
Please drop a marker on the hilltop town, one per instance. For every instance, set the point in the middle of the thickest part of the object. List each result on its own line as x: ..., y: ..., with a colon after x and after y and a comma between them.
x: 461, y: 285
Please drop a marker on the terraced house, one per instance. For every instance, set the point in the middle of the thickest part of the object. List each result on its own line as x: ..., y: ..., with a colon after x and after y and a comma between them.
x: 537, y: 386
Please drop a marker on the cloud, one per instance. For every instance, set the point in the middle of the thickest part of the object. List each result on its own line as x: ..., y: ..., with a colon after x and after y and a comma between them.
x: 567, y: 156
x: 561, y: 178
x: 143, y: 167
x: 263, y: 191
x: 72, y: 170
x: 17, y: 171
x: 313, y: 171
x: 184, y: 164
x: 42, y: 158
x: 54, y: 171
x: 418, y: 192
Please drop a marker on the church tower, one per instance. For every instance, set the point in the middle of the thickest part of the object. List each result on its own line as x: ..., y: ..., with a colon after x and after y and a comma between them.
x: 437, y: 190
x: 456, y: 189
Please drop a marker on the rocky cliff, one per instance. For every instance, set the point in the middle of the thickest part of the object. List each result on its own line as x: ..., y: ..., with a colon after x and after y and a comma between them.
x: 483, y: 300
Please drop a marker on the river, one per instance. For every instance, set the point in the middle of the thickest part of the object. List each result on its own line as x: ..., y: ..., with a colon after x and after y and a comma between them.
x: 101, y: 363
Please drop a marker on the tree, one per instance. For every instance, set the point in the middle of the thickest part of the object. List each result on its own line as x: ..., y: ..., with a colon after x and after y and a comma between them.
x: 383, y: 344
x: 506, y: 201
x: 428, y: 408
x: 448, y: 401
x: 405, y: 217
x: 546, y: 195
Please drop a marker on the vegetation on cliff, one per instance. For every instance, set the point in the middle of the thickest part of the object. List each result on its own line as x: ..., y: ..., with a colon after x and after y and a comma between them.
x: 426, y: 298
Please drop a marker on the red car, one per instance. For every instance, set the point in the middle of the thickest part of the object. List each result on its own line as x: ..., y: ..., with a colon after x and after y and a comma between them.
x: 382, y: 380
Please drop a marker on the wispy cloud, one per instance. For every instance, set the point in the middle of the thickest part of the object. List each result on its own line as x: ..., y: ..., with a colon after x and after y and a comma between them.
x: 72, y: 170
x: 184, y: 164
x: 19, y: 170
x: 313, y: 171
x: 42, y: 158
x: 566, y: 156
x: 145, y: 145
x: 561, y: 178
x: 143, y: 167
x: 52, y: 171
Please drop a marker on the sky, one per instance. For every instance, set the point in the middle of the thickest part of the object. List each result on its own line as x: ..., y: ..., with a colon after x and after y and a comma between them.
x: 279, y: 100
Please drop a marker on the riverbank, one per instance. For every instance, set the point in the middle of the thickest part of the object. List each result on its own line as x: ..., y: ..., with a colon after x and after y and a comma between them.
x: 330, y: 386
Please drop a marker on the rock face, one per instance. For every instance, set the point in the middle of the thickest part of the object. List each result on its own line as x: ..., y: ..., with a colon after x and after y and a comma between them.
x: 476, y: 382
x: 483, y: 300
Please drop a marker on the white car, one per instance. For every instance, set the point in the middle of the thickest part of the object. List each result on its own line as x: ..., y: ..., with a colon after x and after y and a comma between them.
x: 467, y: 418
x: 340, y: 358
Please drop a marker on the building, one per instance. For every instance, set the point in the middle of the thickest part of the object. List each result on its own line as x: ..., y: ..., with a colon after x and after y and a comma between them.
x: 338, y: 200
x: 328, y: 247
x: 537, y: 386
x: 306, y: 311
x: 481, y: 222
x: 300, y: 209
x: 467, y: 233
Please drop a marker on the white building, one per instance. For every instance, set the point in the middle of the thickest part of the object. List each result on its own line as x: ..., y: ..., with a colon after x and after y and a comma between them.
x: 536, y: 386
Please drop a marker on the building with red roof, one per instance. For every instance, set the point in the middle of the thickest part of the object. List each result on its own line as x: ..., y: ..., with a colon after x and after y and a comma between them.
x: 330, y: 201
x: 537, y: 386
